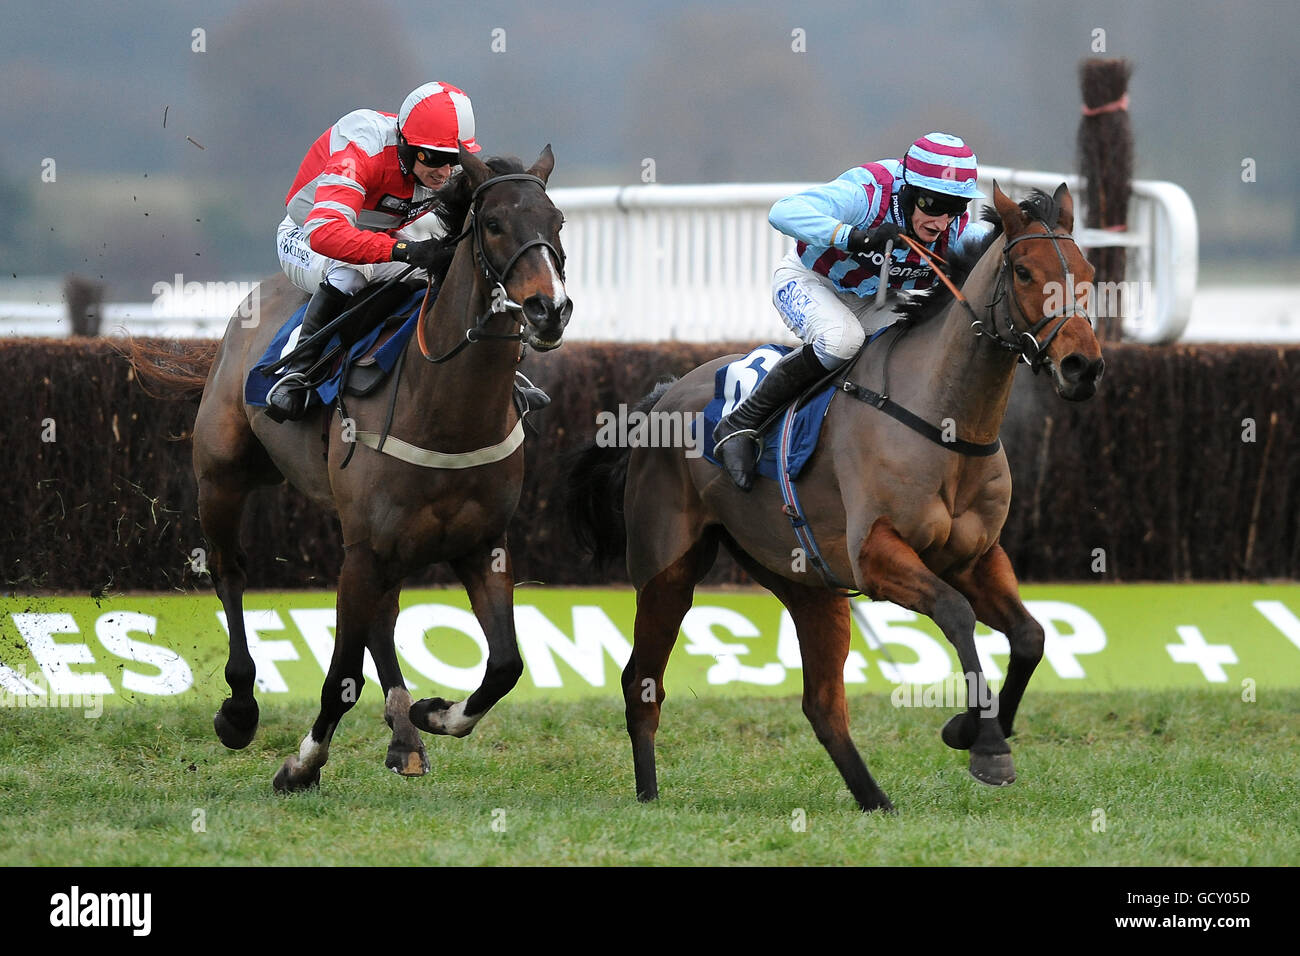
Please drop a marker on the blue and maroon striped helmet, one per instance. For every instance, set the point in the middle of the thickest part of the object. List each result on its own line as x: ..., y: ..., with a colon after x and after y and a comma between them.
x: 942, y: 163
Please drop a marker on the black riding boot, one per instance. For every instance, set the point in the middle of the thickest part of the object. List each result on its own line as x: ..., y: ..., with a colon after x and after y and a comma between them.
x: 736, y: 437
x: 287, y: 399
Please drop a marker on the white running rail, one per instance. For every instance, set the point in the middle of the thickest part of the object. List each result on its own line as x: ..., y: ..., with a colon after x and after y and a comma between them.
x: 694, y: 263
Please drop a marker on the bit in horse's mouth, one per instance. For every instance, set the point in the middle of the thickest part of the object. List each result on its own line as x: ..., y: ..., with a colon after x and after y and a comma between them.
x: 545, y: 345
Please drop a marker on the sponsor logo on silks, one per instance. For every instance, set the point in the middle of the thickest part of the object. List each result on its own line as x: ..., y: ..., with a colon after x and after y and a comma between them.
x: 898, y: 271
x: 793, y: 302
x: 75, y: 908
x: 408, y: 210
x: 291, y: 246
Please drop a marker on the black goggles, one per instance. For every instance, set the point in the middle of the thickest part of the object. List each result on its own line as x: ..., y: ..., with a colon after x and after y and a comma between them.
x: 435, y: 157
x: 937, y: 204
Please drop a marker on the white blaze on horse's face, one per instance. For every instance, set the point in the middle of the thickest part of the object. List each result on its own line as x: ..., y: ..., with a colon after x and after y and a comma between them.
x: 558, y: 295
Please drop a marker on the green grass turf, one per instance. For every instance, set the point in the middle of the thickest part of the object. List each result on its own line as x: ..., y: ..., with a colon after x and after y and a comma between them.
x: 1182, y: 778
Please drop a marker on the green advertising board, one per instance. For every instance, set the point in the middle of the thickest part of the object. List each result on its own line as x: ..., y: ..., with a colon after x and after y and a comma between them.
x: 61, y: 650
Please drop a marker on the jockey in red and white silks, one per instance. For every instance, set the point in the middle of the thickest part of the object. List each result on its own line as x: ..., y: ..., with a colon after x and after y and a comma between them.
x: 360, y: 183
x: 824, y: 289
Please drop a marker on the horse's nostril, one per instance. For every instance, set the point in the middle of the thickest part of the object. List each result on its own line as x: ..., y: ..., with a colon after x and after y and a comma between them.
x: 537, y: 308
x: 1073, y: 366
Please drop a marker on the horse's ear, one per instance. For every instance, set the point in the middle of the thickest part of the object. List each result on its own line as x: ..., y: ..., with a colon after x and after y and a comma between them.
x: 477, y: 170
x: 1013, y: 218
x: 1066, y: 204
x: 545, y: 163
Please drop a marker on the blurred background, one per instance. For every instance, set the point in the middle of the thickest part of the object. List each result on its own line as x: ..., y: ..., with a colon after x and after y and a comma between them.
x: 175, y: 128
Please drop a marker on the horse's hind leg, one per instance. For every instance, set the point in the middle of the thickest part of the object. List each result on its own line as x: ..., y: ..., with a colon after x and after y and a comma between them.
x: 221, y: 506
x: 661, y: 603
x: 489, y: 580
x: 228, y: 464
x: 821, y: 619
x: 994, y: 593
x: 360, y: 594
x: 891, y: 570
x: 406, y: 754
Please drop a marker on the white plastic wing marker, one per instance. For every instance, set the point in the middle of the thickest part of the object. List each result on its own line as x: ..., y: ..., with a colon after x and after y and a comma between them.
x: 883, y: 287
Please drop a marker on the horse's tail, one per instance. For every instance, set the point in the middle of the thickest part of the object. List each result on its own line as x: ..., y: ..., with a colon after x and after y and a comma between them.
x: 596, y: 478
x: 167, y: 369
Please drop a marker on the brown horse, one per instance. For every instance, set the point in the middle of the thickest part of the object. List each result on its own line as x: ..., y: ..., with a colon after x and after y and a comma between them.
x: 453, y: 396
x: 897, y: 512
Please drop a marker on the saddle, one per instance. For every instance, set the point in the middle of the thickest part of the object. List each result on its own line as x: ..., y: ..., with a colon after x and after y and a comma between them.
x: 362, y: 352
x: 358, y: 356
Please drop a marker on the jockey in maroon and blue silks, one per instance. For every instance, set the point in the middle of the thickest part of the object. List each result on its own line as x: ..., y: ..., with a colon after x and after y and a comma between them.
x: 825, y: 289
x: 362, y: 181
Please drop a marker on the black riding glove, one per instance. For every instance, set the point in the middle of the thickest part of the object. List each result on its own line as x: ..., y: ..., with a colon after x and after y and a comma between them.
x: 429, y: 254
x: 860, y: 240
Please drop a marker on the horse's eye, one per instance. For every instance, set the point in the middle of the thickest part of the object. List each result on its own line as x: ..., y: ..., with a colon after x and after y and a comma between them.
x: 1022, y: 274
x: 493, y: 226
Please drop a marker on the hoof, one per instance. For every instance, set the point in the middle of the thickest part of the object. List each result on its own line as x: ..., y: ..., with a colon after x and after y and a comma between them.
x: 996, y: 770
x: 960, y: 731
x: 292, y: 777
x: 407, y: 763
x: 880, y: 804
x: 235, y: 726
x: 434, y: 715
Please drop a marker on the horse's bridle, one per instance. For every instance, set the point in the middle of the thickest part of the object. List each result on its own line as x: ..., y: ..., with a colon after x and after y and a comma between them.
x: 1025, y: 341
x: 500, y: 298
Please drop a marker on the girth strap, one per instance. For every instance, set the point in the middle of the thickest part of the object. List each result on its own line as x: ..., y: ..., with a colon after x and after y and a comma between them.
x: 918, y: 424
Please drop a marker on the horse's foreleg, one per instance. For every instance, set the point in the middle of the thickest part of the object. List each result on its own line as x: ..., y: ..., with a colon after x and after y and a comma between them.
x: 406, y: 754
x: 891, y: 570
x: 994, y: 593
x: 489, y: 580
x: 360, y: 594
x: 221, y: 506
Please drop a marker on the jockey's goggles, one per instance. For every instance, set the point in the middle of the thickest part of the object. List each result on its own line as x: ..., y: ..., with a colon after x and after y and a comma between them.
x: 435, y: 157
x: 937, y: 204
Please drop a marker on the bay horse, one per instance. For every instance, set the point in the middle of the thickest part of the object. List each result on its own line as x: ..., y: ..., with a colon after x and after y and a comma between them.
x: 898, y: 513
x: 453, y: 396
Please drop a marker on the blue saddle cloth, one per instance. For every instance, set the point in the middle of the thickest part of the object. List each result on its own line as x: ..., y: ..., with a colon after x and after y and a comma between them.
x: 260, y: 380
x: 736, y: 381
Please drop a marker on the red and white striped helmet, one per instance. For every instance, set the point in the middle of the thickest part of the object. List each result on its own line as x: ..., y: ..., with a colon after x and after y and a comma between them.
x: 438, y: 116
x: 942, y: 163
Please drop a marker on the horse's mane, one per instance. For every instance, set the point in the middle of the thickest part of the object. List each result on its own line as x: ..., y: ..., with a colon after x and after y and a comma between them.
x: 919, y: 306
x: 455, y: 195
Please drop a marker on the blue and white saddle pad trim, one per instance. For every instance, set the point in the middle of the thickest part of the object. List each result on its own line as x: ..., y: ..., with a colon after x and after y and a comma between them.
x: 735, y: 381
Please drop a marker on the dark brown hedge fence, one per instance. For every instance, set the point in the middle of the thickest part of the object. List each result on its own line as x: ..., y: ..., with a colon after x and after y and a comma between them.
x: 1159, y: 471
